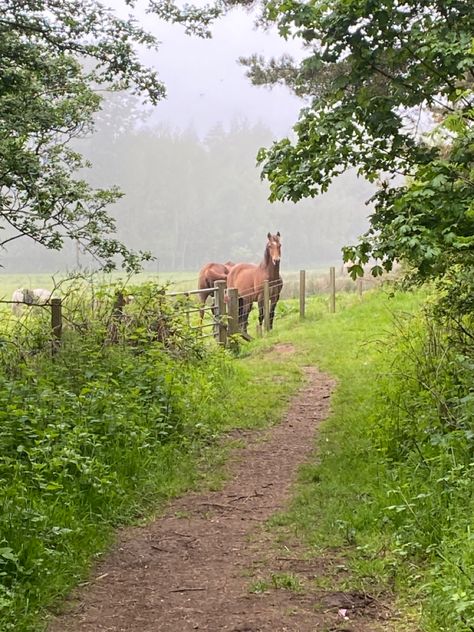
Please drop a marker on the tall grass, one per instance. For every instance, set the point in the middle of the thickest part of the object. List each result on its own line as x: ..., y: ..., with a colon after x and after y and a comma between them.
x: 393, y: 483
x: 426, y: 437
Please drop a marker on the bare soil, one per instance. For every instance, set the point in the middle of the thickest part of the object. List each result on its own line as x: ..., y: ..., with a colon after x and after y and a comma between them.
x: 201, y: 564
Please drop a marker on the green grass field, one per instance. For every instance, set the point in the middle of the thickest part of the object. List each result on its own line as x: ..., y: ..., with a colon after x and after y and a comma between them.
x: 176, y: 280
x: 317, y: 282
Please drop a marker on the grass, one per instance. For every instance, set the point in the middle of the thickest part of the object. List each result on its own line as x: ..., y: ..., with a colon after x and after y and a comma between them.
x: 391, y: 489
x: 335, y: 501
x: 176, y: 280
x: 340, y: 495
x: 277, y: 581
x: 316, y: 280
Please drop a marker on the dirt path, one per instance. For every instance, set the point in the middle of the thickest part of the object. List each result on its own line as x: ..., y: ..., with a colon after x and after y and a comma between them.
x: 195, y: 567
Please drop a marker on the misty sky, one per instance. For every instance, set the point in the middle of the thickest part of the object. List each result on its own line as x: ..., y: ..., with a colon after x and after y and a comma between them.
x: 207, y: 85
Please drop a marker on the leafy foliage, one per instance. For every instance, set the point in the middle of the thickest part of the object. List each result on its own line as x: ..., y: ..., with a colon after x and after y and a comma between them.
x: 425, y: 433
x: 54, y: 56
x: 375, y: 73
x: 91, y: 438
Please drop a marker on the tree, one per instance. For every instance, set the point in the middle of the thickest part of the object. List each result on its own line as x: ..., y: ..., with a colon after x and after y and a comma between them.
x: 376, y: 72
x: 53, y: 58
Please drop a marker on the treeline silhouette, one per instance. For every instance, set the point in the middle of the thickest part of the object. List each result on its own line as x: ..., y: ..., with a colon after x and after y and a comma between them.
x: 190, y: 200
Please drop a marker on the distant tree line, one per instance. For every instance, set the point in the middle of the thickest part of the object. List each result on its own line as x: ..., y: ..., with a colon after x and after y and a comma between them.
x: 190, y: 200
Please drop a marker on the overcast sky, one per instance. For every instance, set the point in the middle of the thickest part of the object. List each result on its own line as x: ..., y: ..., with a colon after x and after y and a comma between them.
x: 207, y: 85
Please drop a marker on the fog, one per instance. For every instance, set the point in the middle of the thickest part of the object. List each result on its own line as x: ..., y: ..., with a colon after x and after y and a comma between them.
x: 187, y: 167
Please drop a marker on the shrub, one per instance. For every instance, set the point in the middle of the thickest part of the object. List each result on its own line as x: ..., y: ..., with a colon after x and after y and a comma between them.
x: 425, y: 432
x: 88, y: 436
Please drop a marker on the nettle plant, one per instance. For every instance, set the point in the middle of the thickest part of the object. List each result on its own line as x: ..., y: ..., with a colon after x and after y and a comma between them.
x: 88, y: 435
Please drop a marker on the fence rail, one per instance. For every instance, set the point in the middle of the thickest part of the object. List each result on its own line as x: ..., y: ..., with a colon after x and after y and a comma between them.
x: 224, y: 311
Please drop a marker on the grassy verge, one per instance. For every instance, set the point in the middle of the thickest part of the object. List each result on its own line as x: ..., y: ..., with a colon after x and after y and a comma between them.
x: 392, y: 486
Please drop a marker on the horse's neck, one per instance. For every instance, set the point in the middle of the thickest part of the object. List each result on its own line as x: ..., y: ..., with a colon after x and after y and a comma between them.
x: 272, y: 270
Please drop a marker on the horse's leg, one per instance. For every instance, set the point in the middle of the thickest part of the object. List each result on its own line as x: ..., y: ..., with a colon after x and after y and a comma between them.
x: 246, y: 316
x: 214, y: 306
x: 261, y: 305
x: 202, y: 299
x: 244, y: 311
x: 273, y: 303
x: 204, y: 285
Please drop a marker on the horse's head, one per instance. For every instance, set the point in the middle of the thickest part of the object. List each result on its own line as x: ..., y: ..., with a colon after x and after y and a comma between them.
x: 274, y: 247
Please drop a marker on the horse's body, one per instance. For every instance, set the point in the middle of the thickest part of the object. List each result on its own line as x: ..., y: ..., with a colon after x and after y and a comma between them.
x: 208, y: 275
x: 249, y: 278
x: 25, y: 296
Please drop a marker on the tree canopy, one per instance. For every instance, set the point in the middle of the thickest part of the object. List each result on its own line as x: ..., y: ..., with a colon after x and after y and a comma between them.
x: 389, y: 89
x: 54, y: 56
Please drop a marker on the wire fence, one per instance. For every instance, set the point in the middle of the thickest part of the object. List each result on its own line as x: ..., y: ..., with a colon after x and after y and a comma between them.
x: 118, y: 312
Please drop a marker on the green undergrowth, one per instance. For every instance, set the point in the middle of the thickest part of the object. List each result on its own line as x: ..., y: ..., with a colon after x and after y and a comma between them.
x: 392, y: 489
x: 106, y: 434
x: 103, y: 435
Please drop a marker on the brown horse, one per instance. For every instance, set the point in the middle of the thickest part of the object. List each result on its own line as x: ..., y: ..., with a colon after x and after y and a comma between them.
x: 208, y: 274
x: 248, y: 278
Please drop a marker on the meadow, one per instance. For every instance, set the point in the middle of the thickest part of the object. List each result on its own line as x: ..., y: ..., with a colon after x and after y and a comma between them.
x: 317, y: 281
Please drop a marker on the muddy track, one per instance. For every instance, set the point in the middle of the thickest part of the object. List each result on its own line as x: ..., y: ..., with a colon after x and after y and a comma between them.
x: 195, y: 567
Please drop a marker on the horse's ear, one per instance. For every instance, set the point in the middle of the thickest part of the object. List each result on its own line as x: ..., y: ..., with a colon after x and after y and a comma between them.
x: 269, y: 235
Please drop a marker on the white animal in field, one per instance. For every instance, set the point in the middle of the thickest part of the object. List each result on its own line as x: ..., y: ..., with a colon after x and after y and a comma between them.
x: 25, y: 296
x: 41, y: 296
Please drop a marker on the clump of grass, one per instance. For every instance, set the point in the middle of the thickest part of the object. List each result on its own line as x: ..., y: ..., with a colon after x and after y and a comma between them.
x: 259, y: 586
x: 277, y: 581
x: 286, y: 581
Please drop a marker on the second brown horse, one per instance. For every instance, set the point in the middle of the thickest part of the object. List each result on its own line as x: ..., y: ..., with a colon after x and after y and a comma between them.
x: 249, y: 278
x: 208, y: 275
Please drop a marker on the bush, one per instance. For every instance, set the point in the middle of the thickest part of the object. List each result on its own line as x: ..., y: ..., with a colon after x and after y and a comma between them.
x: 425, y: 433
x: 88, y: 438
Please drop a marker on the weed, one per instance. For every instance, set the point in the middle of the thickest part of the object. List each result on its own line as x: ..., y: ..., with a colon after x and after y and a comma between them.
x: 277, y: 581
x: 259, y: 586
x: 286, y: 581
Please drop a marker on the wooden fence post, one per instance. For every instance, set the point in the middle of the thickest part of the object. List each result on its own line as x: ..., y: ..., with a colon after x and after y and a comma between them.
x: 233, y: 311
x: 332, y: 289
x: 220, y: 329
x: 118, y: 305
x: 56, y: 324
x: 117, y: 315
x: 188, y: 317
x: 302, y: 293
x: 266, y: 305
